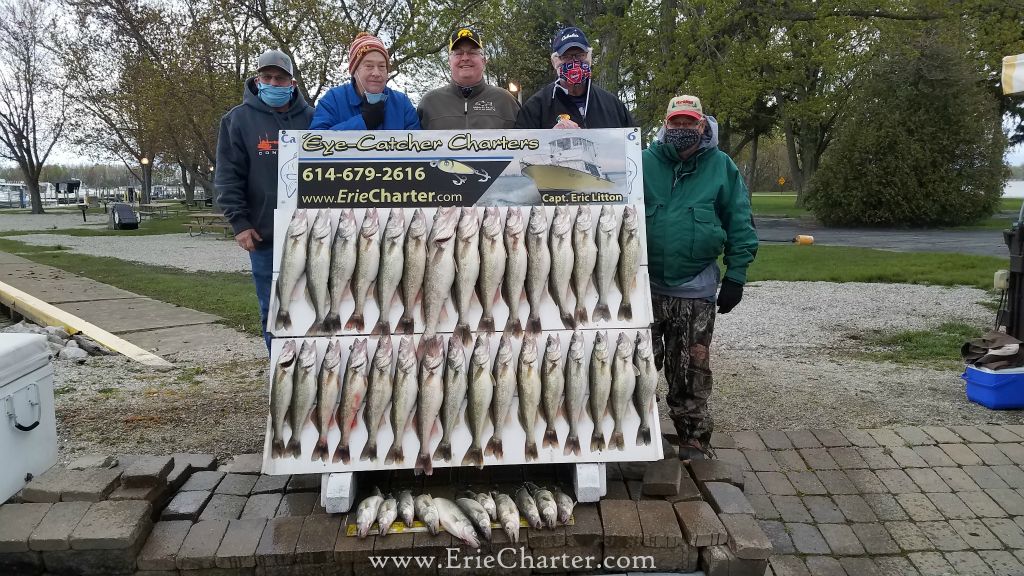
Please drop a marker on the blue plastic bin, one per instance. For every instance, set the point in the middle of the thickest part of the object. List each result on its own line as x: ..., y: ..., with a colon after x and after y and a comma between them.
x: 995, y: 389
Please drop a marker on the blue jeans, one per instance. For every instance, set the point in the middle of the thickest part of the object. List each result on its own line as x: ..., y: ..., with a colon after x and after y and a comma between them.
x: 262, y: 273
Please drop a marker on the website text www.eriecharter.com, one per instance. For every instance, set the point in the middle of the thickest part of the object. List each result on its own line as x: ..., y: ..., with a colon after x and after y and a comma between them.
x: 514, y: 558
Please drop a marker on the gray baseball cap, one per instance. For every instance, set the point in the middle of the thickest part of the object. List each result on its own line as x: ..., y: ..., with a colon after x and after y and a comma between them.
x: 275, y: 58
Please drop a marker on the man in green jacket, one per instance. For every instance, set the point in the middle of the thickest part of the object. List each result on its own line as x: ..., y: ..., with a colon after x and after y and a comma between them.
x: 697, y: 208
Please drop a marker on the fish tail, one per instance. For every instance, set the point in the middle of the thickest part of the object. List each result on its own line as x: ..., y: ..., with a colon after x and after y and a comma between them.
x: 572, y: 445
x: 581, y: 315
x: 320, y: 450
x: 369, y: 451
x: 494, y: 448
x: 462, y: 333
x: 277, y: 448
x: 617, y: 442
x: 550, y: 438
x: 331, y: 323
x: 533, y: 324
x: 294, y: 447
x: 486, y: 324
x: 597, y: 441
x: 405, y: 324
x: 395, y: 454
x: 423, y: 464
x: 284, y: 319
x: 355, y: 322
x: 381, y: 328
x: 568, y: 321
x: 531, y: 451
x: 444, y: 451
x: 342, y: 454
x: 601, y: 312
x: 625, y: 311
x: 474, y: 457
x: 643, y: 435
x: 316, y: 329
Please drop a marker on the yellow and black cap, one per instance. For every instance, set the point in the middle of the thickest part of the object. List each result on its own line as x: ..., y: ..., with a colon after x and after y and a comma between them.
x: 465, y: 34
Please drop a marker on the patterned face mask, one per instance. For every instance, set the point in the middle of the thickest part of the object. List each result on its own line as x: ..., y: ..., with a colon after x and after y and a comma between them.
x: 574, y: 72
x: 682, y: 138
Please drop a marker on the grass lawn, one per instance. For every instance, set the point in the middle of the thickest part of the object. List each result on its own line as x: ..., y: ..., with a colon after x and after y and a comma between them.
x: 936, y: 348
x: 148, y: 227
x: 782, y: 206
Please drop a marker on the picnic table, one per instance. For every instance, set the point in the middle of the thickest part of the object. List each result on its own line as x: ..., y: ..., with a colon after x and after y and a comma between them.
x: 208, y: 222
x: 153, y: 210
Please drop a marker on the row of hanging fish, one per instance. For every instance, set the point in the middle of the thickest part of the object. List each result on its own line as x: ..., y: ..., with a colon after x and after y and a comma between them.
x: 471, y: 516
x: 436, y: 384
x: 460, y: 255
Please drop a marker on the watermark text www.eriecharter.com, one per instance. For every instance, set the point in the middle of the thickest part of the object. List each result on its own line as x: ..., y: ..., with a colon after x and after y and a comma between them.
x: 514, y: 558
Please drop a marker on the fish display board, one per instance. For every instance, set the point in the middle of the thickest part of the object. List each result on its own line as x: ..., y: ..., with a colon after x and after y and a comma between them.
x: 512, y: 250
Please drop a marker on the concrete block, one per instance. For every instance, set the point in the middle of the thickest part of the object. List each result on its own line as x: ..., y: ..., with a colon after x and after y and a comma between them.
x: 621, y: 523
x: 271, y: 484
x: 17, y: 522
x: 112, y: 526
x: 186, y: 505
x: 223, y: 507
x: 54, y: 530
x: 244, y: 464
x: 161, y: 549
x: 48, y: 486
x: 199, y: 549
x: 148, y: 471
x: 21, y: 563
x: 204, y: 480
x: 261, y: 506
x: 304, y: 483
x: 92, y: 562
x: 155, y: 495
x: 746, y: 539
x: 317, y: 539
x: 300, y: 504
x: 93, y: 461
x: 662, y: 478
x: 277, y: 545
x: 701, y: 526
x: 339, y: 497
x: 589, y: 482
x: 236, y: 484
x: 238, y: 547
x: 587, y: 531
x: 716, y: 471
x: 659, y: 524
x: 91, y: 485
x: 726, y: 498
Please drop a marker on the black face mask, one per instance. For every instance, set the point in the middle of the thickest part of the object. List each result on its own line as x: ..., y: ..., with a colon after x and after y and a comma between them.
x: 682, y: 138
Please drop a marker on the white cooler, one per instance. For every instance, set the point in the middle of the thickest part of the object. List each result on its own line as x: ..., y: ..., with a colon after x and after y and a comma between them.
x: 28, y: 432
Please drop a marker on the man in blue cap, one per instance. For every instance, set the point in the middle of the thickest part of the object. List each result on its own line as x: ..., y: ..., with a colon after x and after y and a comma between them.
x: 573, y: 100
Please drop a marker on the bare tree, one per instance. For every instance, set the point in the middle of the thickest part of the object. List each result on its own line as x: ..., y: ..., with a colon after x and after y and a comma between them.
x: 33, y: 102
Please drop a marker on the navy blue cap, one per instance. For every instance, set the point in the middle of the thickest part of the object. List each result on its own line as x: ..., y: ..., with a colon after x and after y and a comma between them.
x: 570, y: 37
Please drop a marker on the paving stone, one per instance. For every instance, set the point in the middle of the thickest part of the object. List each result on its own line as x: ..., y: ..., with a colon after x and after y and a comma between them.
x: 195, y: 462
x: 236, y: 484
x: 830, y: 437
x: 982, y: 505
x: 662, y: 478
x: 818, y: 459
x: 726, y: 498
x: 47, y: 487
x: 918, y: 507
x: 751, y: 485
x: 866, y: 481
x: 748, y: 440
x: 659, y: 525
x: 204, y: 480
x: 776, y: 483
x: 186, y: 505
x: 806, y: 483
x: 1000, y: 433
x: 859, y: 438
x: 886, y: 437
x: 791, y: 509
x: 957, y: 479
x: 824, y: 566
x: 790, y: 461
x: 263, y: 506
x: 897, y: 481
x: 270, y: 484
x: 733, y: 456
x: 967, y: 563
x: 951, y: 506
x: 238, y: 547
x: 716, y: 471
x: 807, y: 539
x: 1012, y: 475
x: 352, y: 549
x: 223, y: 507
x: 244, y: 464
x: 1001, y: 562
x: 53, y: 532
x: 298, y: 504
x: 587, y: 530
x: 93, y: 562
x: 914, y: 436
x: 763, y: 507
x: 621, y: 523
x: 855, y: 508
x: 112, y: 525
x: 803, y: 439
x: 860, y: 566
x: 943, y: 536
x: 942, y: 434
x: 976, y: 534
x: 92, y: 461
x: 885, y: 507
x: 761, y: 461
x: 304, y: 483
x: 318, y: 536
x: 776, y: 532
x: 277, y: 544
x: 847, y: 458
x: 775, y: 439
x: 148, y: 471
x: 877, y: 458
x: 199, y: 549
x: 875, y: 538
x: 936, y: 456
x: 927, y: 480
x: 1009, y: 500
x: 908, y: 536
x: 92, y: 485
x: 836, y: 482
x: 1013, y: 451
x: 961, y: 454
x: 722, y: 440
x: 972, y: 434
x: 161, y: 549
x: 688, y: 491
x: 990, y: 454
x: 841, y: 539
x: 617, y: 490
x: 155, y: 495
x: 17, y: 521
x: 908, y: 457
x: 895, y: 566
x: 931, y: 564
x: 823, y: 509
x: 788, y: 566
x: 700, y: 525
x: 1006, y: 530
x: 632, y: 470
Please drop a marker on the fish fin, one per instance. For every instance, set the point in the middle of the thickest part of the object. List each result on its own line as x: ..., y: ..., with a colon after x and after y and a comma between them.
x: 572, y: 445
x: 568, y: 321
x: 643, y: 436
x: 319, y: 451
x: 531, y: 451
x: 284, y: 320
x: 355, y: 322
x: 625, y: 312
x: 381, y: 328
x: 395, y: 454
x: 533, y: 325
x: 405, y: 324
x: 601, y: 312
x: 617, y: 442
x: 462, y: 332
x: 342, y: 454
x: 494, y: 448
x: 369, y: 452
x: 514, y: 325
x: 443, y: 452
x: 486, y: 324
x: 581, y: 315
x: 597, y: 441
x: 316, y: 329
x: 294, y: 447
x: 277, y: 448
x: 474, y: 457
x: 423, y: 465
x: 550, y: 438
x: 331, y: 323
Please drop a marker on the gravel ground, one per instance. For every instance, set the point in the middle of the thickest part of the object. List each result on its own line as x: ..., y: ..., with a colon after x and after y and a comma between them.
x: 783, y: 359
x: 206, y: 253
x: 49, y: 221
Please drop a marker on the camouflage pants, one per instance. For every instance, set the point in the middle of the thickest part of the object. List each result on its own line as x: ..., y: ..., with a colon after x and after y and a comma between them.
x: 681, y: 335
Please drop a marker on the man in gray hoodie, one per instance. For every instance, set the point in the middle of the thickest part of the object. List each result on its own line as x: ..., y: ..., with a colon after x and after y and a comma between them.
x: 246, y: 178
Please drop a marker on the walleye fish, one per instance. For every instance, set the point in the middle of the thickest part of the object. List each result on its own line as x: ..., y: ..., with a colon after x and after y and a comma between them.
x: 303, y: 396
x: 607, y: 260
x: 344, y: 252
x: 455, y: 521
x: 646, y: 384
x: 562, y: 261
x: 403, y: 402
x: 515, y: 268
x: 293, y: 264
x: 575, y: 390
x: 529, y: 392
x: 427, y: 513
x: 492, y: 266
x: 485, y: 500
x: 478, y: 405
x: 431, y: 397
x: 586, y: 258
x: 387, y: 514
x: 328, y: 393
x: 477, y: 515
x: 318, y: 268
x: 538, y: 265
x: 552, y: 382
x: 378, y: 395
x: 366, y: 513
x: 281, y: 396
x: 392, y: 264
x: 508, y: 515
x: 467, y: 259
x: 437, y: 285
x: 406, y: 507
x: 352, y: 393
x: 415, y: 263
x: 367, y: 265
x: 545, y: 504
x: 504, y: 389
x: 600, y: 388
x: 623, y: 386
x: 528, y: 508
x: 455, y: 383
x: 629, y: 260
x: 565, y: 505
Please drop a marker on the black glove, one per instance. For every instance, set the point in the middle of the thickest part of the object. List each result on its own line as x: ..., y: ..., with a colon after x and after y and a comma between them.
x: 373, y: 114
x: 729, y: 296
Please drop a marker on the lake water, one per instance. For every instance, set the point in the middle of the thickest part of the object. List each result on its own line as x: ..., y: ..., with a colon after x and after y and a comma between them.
x: 1014, y: 189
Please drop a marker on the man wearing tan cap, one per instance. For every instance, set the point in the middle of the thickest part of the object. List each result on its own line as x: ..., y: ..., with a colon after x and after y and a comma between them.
x: 468, y: 101
x: 697, y: 209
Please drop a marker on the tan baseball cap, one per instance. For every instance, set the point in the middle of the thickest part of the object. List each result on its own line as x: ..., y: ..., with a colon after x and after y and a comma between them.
x: 685, y: 105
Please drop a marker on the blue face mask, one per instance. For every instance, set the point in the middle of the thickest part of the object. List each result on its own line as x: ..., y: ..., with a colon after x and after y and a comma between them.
x: 375, y: 98
x: 275, y: 96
